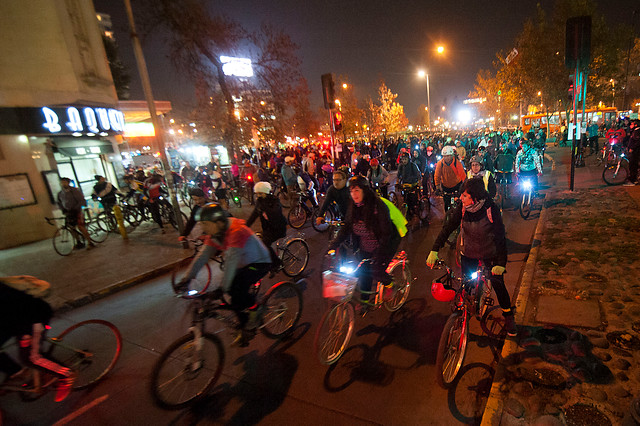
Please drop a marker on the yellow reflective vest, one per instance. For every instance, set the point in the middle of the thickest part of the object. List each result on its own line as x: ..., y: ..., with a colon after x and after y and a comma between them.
x: 397, y: 217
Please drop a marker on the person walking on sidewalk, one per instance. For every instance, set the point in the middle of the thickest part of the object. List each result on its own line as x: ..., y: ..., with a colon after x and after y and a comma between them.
x: 71, y: 201
x: 483, y: 238
x: 634, y: 152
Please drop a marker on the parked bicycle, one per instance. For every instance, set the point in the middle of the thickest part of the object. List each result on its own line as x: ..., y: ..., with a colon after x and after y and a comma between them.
x: 190, y: 367
x: 338, y: 286
x: 469, y: 296
x: 89, y: 348
x: 67, y: 237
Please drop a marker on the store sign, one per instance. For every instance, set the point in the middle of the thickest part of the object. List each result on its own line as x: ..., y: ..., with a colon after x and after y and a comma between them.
x: 82, y: 120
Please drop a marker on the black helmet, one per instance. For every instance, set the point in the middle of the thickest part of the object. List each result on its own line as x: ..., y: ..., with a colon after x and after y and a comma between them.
x: 359, y: 181
x: 196, y: 192
x: 211, y: 212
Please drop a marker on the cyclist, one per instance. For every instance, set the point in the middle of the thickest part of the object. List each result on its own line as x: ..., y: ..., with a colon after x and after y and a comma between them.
x: 504, y: 166
x: 246, y: 261
x: 249, y: 175
x: 25, y: 316
x: 477, y: 171
x: 274, y: 224
x: 188, y: 172
x: 153, y: 189
x: 136, y: 191
x: 373, y: 233
x: 378, y: 176
x: 449, y: 175
x: 409, y: 174
x: 528, y: 163
x: 482, y: 238
x: 106, y: 192
x: 337, y: 193
x: 199, y: 199
x: 220, y: 187
x: 71, y: 201
x: 289, y: 178
x: 306, y: 186
x: 634, y: 152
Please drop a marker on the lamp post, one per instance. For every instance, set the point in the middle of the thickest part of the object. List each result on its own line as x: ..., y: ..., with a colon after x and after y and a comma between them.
x: 423, y: 74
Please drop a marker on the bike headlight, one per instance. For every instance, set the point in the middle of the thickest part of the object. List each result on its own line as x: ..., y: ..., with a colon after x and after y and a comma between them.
x: 192, y: 292
x: 526, y: 185
x: 474, y: 275
x: 346, y: 270
x: 439, y: 157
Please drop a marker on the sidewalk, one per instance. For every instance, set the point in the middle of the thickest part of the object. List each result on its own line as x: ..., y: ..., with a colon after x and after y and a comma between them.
x: 87, y: 275
x: 576, y: 358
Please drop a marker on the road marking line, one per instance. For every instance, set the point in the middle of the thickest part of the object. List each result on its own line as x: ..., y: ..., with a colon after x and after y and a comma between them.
x: 80, y: 411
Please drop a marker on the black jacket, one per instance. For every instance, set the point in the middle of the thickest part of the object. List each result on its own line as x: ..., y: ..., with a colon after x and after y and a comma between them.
x: 491, y: 243
x: 274, y: 226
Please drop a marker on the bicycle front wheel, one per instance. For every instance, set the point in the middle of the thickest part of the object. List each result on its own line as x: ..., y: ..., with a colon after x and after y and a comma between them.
x: 186, y: 371
x: 199, y: 283
x: 281, y: 310
x: 452, y: 348
x: 96, y: 234
x: 328, y: 216
x: 401, y: 285
x: 424, y: 208
x: 297, y: 216
x: 613, y: 177
x: 90, y: 348
x: 525, y: 205
x: 334, y: 332
x: 295, y: 257
x: 63, y: 241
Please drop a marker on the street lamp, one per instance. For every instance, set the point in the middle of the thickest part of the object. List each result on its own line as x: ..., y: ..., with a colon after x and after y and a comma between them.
x: 423, y: 74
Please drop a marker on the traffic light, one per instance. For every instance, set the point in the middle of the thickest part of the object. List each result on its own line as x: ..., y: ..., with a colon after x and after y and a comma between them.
x: 337, y: 121
x: 570, y: 94
x: 328, y: 91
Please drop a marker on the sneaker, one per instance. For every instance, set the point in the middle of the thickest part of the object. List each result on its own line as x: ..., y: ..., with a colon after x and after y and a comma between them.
x: 63, y: 389
x: 628, y: 183
x: 240, y: 340
x: 510, y: 325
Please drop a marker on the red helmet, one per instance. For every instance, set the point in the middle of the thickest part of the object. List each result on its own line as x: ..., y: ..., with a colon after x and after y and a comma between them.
x: 440, y: 293
x: 374, y: 162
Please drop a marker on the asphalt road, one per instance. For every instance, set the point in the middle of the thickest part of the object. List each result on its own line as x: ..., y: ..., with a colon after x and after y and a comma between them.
x: 387, y: 376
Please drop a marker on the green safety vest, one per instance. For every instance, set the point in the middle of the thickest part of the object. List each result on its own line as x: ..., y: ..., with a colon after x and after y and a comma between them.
x: 397, y: 217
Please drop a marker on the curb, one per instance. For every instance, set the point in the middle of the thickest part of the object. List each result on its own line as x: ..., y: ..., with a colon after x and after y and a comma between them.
x: 117, y: 287
x: 493, y: 409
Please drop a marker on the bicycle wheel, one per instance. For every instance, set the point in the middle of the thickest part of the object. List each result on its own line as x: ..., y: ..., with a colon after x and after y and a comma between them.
x: 401, y: 285
x: 295, y: 257
x: 611, y: 177
x: 492, y: 322
x: 281, y: 310
x: 63, y: 241
x: 90, y: 348
x: 284, y: 198
x: 297, y: 216
x: 96, y: 233
x: 391, y: 196
x: 186, y: 371
x: 132, y: 215
x: 525, y: 205
x: 105, y: 222
x: 328, y: 216
x: 452, y: 348
x: 200, y: 283
x: 334, y: 332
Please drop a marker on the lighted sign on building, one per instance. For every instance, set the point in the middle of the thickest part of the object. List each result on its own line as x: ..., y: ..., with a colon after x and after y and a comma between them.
x: 238, y: 67
x: 77, y: 120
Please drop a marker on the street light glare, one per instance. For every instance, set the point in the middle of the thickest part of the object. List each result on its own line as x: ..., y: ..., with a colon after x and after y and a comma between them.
x: 440, y: 49
x: 421, y: 74
x: 344, y: 85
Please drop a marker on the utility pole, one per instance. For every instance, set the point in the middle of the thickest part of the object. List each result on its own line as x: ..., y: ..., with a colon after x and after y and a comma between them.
x: 159, y: 132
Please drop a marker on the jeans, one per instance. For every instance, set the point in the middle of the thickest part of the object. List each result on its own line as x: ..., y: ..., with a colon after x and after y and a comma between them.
x: 469, y: 266
x: 241, y: 299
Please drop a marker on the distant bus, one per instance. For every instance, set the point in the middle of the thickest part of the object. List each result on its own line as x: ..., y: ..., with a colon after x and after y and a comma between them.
x: 600, y: 115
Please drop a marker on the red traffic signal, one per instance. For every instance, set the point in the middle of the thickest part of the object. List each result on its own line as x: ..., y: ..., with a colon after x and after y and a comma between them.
x: 337, y: 121
x: 571, y: 93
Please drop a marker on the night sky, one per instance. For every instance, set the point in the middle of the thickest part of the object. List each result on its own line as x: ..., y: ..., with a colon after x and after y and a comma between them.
x: 366, y: 41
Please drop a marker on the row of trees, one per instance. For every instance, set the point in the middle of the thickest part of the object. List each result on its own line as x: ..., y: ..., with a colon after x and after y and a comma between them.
x: 537, y: 75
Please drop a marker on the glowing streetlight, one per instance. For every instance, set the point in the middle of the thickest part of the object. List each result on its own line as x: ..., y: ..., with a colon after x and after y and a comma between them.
x: 423, y: 74
x: 345, y: 85
x: 440, y: 50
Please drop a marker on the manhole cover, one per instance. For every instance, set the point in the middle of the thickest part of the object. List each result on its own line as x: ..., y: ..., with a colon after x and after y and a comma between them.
x: 624, y: 340
x: 550, y: 336
x: 585, y: 415
x: 596, y: 278
x: 544, y: 377
x: 553, y: 284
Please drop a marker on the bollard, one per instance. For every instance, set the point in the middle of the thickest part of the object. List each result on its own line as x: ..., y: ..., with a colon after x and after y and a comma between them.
x: 117, y: 211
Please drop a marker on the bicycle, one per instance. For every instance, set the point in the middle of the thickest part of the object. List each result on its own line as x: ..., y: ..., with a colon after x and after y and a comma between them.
x: 89, y: 348
x: 422, y: 204
x: 190, y: 367
x: 299, y: 212
x: 503, y: 180
x: 200, y: 283
x: 67, y: 237
x: 526, y: 187
x: 472, y: 297
x: 338, y: 286
x: 617, y: 173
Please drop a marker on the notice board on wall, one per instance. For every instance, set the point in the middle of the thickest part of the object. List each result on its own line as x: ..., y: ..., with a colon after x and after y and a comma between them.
x: 16, y: 191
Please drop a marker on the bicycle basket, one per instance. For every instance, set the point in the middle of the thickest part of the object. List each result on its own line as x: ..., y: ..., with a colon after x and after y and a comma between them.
x: 338, y: 287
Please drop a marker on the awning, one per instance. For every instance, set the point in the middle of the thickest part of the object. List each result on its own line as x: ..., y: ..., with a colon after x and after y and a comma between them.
x: 75, y: 147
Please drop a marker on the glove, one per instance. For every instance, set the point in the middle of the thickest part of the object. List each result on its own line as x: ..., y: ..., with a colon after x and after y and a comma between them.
x: 432, y: 259
x: 498, y: 270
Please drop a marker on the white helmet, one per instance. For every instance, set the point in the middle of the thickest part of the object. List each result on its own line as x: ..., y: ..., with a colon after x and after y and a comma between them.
x: 448, y: 150
x: 264, y: 187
